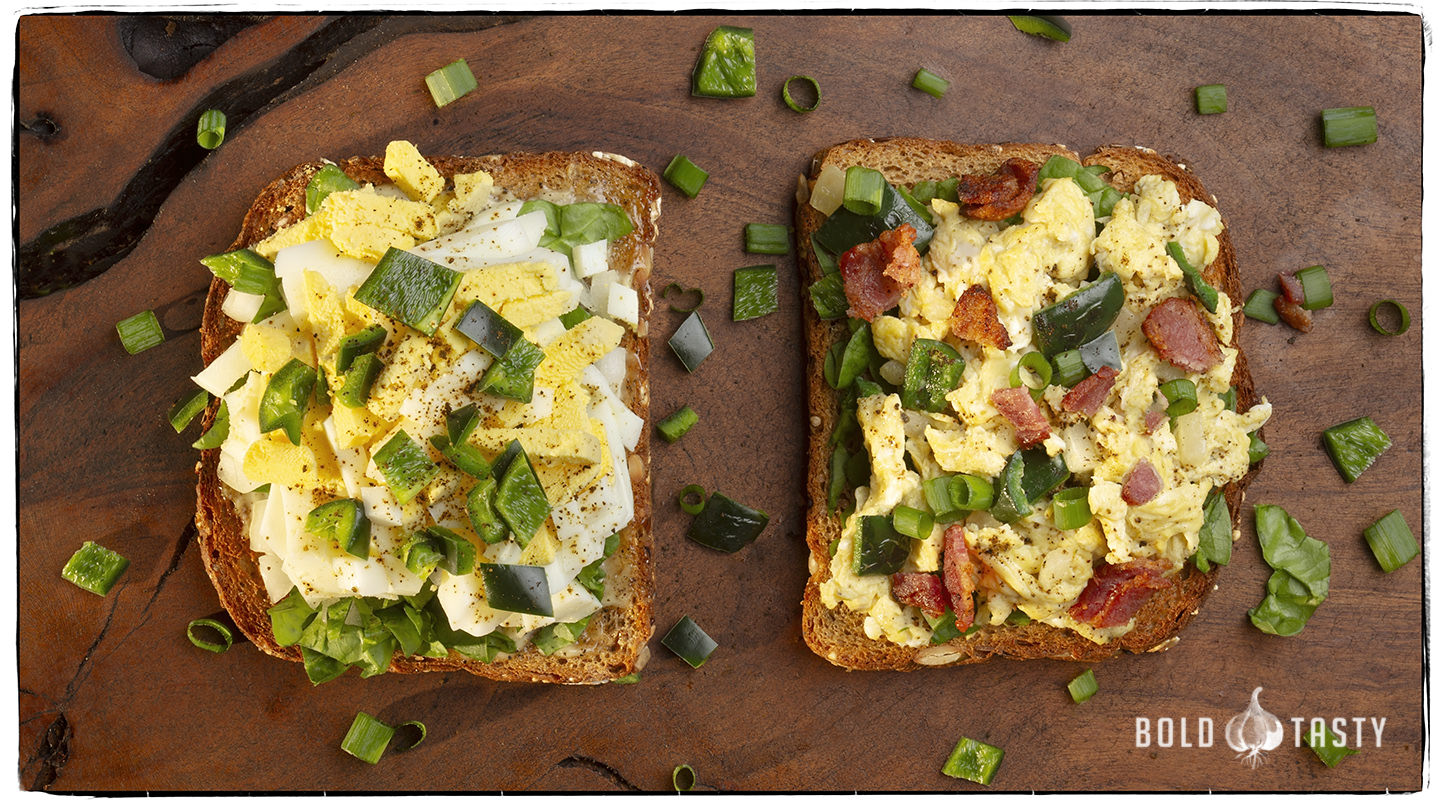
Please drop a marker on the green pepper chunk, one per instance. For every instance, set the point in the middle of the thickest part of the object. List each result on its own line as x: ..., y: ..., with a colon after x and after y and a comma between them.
x: 343, y: 521
x: 521, y: 501
x: 465, y: 457
x: 1079, y: 317
x: 1011, y: 503
x: 1206, y: 294
x: 517, y: 588
x: 406, y: 466
x: 366, y: 341
x: 323, y: 183
x: 286, y: 397
x: 879, y: 549
x: 726, y: 67
x: 592, y: 576
x: 726, y: 525
x: 355, y: 391
x: 845, y: 229
x: 438, y: 546
x: 931, y: 372
x: 1353, y: 446
x: 218, y: 432
x: 513, y: 376
x: 480, y: 504
x: 409, y: 288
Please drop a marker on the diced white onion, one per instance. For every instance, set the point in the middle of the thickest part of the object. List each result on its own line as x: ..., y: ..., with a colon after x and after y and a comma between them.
x: 224, y: 370
x: 591, y: 258
x: 1190, y: 438
x: 242, y: 307
x: 477, y: 245
x: 623, y: 304
x: 319, y: 256
x: 829, y: 191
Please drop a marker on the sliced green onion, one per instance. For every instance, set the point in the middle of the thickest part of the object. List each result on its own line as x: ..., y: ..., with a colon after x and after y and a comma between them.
x: 790, y: 100
x: 686, y: 176
x: 683, y: 777
x: 450, y: 82
x: 937, y: 497
x: 692, y: 499
x: 1349, y: 126
x: 1069, y: 367
x: 971, y: 493
x: 726, y: 525
x: 249, y: 272
x: 633, y: 677
x: 1326, y: 745
x: 1018, y: 618
x: 1181, y: 397
x: 879, y: 549
x: 1083, y: 686
x: 286, y: 398
x: 1206, y: 294
x: 413, y: 290
x: 210, y: 129
x: 184, y: 411
x: 726, y: 67
x: 367, y: 738
x: 864, y: 190
x: 927, y: 82
x: 517, y: 588
x: 1402, y: 314
x: 1228, y: 397
x: 912, y: 522
x: 1353, y: 446
x: 1260, y: 305
x: 405, y: 466
x: 688, y: 641
x: 1048, y: 26
x: 973, y: 760
x: 1036, y: 364
x: 355, y: 391
x: 677, y: 424
x: 218, y: 432
x: 326, y: 180
x: 1210, y: 99
x: 344, y: 522
x: 94, y: 568
x: 756, y: 292
x: 1258, y: 448
x: 768, y: 239
x: 521, y: 501
x: 1391, y: 541
x: 1315, y: 283
x: 676, y: 289
x: 210, y: 634
x: 140, y: 331
x: 691, y: 342
x: 418, y: 734
x: 1072, y: 508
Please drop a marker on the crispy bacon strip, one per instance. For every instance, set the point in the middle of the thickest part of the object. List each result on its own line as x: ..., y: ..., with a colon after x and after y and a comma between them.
x: 1015, y: 404
x: 1116, y: 591
x: 1142, y: 484
x: 1181, y: 335
x: 1089, y: 394
x: 1000, y: 195
x: 975, y: 318
x: 922, y: 590
x: 1154, y: 419
x: 1292, y: 288
x: 1294, y: 314
x: 878, y: 272
x: 961, y: 574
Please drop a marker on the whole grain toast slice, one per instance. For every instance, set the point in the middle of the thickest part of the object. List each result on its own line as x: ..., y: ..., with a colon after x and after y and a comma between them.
x: 614, y: 643
x: 838, y: 635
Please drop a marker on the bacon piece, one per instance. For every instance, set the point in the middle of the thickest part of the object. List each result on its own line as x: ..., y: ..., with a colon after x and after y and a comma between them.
x: 1291, y: 287
x: 1153, y: 420
x: 1016, y: 404
x: 1089, y: 394
x: 1142, y: 484
x: 975, y: 318
x: 1000, y: 195
x: 1294, y: 314
x: 922, y: 590
x: 1116, y: 591
x: 1181, y: 335
x: 878, y: 272
x: 961, y: 574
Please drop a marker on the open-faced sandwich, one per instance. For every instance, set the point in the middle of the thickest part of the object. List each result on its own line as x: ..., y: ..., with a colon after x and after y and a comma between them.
x: 1031, y: 420
x: 429, y: 450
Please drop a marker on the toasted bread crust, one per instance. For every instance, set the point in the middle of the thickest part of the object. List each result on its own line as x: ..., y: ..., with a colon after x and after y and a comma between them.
x: 614, y: 644
x: 838, y: 635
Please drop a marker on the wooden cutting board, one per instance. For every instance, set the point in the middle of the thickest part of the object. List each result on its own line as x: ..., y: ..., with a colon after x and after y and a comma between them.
x: 113, y: 698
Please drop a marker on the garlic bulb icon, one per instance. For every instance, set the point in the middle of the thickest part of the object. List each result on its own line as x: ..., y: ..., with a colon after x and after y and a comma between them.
x: 1254, y: 731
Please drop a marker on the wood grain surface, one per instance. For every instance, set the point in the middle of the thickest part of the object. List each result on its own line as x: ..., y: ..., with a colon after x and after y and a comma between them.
x: 113, y: 698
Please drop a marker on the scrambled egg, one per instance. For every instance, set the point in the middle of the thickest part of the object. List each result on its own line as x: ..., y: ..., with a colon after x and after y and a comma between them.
x: 576, y: 430
x: 1031, y: 565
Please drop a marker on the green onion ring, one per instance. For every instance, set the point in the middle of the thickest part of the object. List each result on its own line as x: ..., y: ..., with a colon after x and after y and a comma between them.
x: 419, y: 731
x: 683, y: 778
x: 688, y: 499
x: 699, y: 294
x: 792, y: 103
x: 1036, y: 364
x: 210, y: 129
x: 227, y: 637
x: 1399, y: 309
